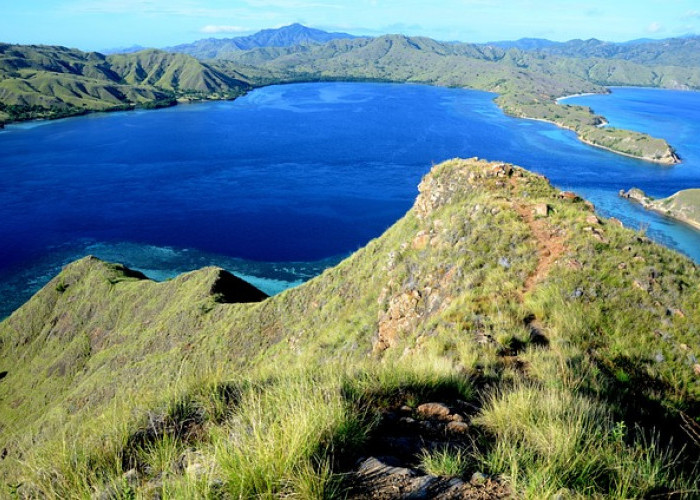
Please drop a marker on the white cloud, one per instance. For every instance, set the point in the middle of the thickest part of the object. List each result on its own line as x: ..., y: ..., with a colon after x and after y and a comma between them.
x: 693, y: 13
x: 211, y: 28
x: 654, y: 27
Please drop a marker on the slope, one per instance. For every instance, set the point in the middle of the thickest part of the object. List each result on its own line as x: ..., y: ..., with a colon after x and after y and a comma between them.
x: 286, y: 36
x: 511, y: 304
x: 51, y: 82
x: 528, y: 83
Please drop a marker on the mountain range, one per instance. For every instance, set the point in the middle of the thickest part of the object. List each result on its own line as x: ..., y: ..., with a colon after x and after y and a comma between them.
x: 286, y: 36
x: 500, y: 340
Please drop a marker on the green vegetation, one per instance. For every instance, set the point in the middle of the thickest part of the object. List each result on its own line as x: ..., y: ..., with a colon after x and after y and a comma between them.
x: 50, y: 82
x: 528, y: 83
x: 683, y: 205
x: 54, y: 82
x: 564, y: 346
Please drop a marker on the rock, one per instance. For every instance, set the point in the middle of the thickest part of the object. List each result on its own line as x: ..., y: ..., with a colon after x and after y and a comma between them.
x: 622, y: 265
x: 433, y: 410
x: 696, y: 369
x: 658, y: 357
x: 457, y: 428
x: 569, y: 195
x: 616, y: 222
x: 504, y: 262
x: 457, y: 418
x: 592, y: 219
x: 406, y: 409
x: 478, y: 478
x: 541, y: 210
x: 674, y: 312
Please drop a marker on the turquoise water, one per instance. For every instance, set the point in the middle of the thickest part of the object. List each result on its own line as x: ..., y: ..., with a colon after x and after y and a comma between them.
x: 284, y: 182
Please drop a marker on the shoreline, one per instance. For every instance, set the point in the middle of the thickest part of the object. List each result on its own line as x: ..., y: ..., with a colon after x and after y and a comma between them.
x: 589, y: 143
x: 647, y: 203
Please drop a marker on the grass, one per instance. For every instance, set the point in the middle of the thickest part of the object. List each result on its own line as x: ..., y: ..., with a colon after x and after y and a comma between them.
x: 549, y: 439
x: 122, y: 385
x: 445, y: 462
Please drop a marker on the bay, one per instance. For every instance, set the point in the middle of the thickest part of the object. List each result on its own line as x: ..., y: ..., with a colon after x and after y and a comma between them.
x: 284, y: 182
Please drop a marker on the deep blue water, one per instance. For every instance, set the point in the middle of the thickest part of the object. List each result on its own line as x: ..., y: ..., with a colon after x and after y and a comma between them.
x: 283, y: 182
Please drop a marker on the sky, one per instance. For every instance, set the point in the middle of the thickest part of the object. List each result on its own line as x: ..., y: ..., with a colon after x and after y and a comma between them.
x: 106, y: 24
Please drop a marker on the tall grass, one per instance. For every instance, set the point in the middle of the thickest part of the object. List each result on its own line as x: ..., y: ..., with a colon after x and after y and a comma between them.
x: 547, y: 439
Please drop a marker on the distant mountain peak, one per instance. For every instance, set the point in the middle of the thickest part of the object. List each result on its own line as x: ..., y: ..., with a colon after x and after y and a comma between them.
x: 284, y: 36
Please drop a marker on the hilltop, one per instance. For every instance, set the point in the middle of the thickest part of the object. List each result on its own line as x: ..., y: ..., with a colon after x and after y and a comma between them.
x: 286, y: 36
x: 555, y: 354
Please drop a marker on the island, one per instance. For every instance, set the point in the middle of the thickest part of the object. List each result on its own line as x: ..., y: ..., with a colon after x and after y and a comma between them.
x: 683, y: 206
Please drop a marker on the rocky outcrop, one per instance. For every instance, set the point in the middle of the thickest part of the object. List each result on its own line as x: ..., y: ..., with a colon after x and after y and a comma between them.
x: 683, y: 206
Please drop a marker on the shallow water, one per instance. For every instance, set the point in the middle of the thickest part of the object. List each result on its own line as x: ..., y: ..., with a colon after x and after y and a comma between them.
x: 287, y: 180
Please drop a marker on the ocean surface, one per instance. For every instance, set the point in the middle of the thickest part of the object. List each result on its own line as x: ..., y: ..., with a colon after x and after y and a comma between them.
x: 286, y: 181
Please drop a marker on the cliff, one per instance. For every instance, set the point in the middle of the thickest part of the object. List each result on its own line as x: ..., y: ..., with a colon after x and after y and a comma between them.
x: 500, y: 334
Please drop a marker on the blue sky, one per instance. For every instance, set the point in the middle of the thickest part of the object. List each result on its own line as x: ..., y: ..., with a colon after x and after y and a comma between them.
x: 102, y: 24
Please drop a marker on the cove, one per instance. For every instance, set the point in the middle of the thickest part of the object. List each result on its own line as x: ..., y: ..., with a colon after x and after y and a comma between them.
x: 279, y: 184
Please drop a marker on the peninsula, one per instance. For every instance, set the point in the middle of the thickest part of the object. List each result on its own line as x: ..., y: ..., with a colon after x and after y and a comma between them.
x: 683, y: 205
x: 51, y: 82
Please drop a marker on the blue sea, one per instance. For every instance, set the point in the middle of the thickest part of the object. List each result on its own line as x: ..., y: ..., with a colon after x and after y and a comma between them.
x: 286, y: 181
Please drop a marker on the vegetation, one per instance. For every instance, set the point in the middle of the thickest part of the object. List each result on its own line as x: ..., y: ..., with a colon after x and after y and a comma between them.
x: 54, y: 82
x: 683, y: 205
x: 562, y: 348
x: 528, y: 83
x: 39, y: 81
x: 286, y: 36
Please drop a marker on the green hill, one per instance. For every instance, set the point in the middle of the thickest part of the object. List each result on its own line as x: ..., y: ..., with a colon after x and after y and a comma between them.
x: 500, y: 334
x: 285, y: 36
x: 528, y: 83
x: 683, y: 205
x: 51, y: 82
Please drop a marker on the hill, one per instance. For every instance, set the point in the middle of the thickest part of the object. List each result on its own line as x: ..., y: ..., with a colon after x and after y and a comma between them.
x: 667, y: 52
x: 38, y: 81
x: 553, y: 355
x: 49, y: 82
x: 683, y: 205
x: 286, y: 36
x: 528, y: 83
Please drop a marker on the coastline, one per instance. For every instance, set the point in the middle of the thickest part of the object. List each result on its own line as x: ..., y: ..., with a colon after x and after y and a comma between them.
x: 586, y: 141
x: 650, y: 204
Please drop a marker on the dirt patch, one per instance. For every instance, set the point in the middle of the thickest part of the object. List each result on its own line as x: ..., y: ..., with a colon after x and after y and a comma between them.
x: 550, y: 245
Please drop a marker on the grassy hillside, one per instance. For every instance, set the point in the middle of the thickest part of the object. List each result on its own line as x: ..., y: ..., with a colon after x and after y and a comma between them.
x: 286, y: 36
x: 528, y: 83
x: 683, y: 205
x: 681, y: 52
x: 52, y: 82
x: 558, y: 351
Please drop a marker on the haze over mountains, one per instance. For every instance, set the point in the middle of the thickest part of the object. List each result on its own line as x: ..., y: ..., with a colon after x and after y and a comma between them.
x: 286, y: 36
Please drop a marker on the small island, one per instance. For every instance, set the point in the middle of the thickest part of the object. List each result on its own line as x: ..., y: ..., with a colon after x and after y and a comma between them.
x: 683, y: 206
